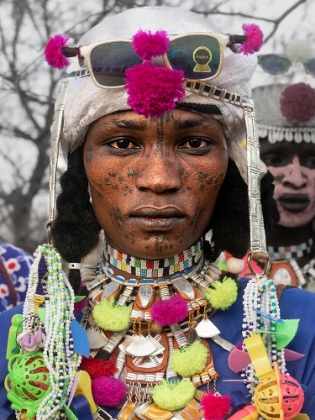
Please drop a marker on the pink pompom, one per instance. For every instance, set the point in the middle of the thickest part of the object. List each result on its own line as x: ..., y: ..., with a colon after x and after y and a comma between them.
x: 297, y: 103
x: 170, y: 311
x: 148, y: 45
x: 254, y: 39
x: 108, y: 390
x: 215, y: 407
x: 53, y: 53
x: 153, y: 90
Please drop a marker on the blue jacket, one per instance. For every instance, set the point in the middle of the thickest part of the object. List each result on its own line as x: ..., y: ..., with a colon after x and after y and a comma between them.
x: 294, y: 303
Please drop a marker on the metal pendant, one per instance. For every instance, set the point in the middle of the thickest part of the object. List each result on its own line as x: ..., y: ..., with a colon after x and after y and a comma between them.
x: 145, y: 293
x: 207, y: 329
x: 185, y: 287
x: 96, y: 339
x: 140, y: 347
x: 109, y: 289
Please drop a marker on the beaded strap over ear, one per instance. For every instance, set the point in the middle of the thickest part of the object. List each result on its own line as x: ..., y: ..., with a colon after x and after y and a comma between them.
x: 54, y: 151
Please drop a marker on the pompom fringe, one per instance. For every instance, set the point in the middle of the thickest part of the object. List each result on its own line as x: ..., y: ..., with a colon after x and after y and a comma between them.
x: 170, y: 311
x: 297, y: 103
x: 189, y: 360
x: 110, y: 316
x: 108, y: 391
x: 254, y: 39
x: 96, y: 367
x: 147, y: 44
x: 173, y: 395
x: 154, y: 90
x: 215, y: 407
x: 223, y: 294
x: 53, y: 52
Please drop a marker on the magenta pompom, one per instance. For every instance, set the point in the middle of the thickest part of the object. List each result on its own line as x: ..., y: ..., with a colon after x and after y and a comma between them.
x: 53, y: 53
x: 148, y: 45
x: 153, y: 90
x: 170, y: 311
x: 297, y: 103
x: 215, y: 407
x: 254, y: 39
x: 108, y: 390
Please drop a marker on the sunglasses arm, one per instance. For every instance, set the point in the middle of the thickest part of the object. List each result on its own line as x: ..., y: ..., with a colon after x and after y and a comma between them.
x: 70, y: 51
x: 236, y: 39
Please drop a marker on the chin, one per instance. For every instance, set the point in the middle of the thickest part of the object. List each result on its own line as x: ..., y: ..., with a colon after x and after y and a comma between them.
x: 295, y: 220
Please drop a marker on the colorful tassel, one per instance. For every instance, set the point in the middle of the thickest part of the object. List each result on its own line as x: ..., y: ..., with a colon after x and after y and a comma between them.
x: 223, y: 294
x: 189, y: 360
x: 53, y: 52
x: 297, y: 103
x: 96, y: 367
x: 108, y: 391
x: 170, y: 311
x: 147, y: 45
x: 153, y: 90
x: 254, y: 39
x: 111, y: 317
x: 215, y: 406
x: 173, y: 395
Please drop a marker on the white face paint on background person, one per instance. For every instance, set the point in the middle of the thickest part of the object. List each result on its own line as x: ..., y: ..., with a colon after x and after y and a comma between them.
x: 293, y: 167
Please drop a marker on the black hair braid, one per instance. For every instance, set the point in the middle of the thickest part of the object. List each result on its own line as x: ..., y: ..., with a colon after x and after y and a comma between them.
x: 75, y: 232
x: 230, y: 219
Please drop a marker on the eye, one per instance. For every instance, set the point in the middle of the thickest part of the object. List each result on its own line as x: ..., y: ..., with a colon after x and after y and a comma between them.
x: 123, y: 144
x: 309, y: 162
x: 194, y: 143
x: 274, y: 160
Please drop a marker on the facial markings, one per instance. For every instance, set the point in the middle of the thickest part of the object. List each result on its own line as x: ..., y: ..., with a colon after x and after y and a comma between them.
x: 116, y: 215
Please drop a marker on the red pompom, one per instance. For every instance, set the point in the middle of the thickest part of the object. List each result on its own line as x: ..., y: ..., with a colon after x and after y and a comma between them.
x: 148, y: 45
x: 215, y: 407
x: 53, y: 53
x: 297, y: 103
x: 154, y: 90
x: 108, y: 391
x: 166, y: 312
x: 254, y: 39
x: 97, y: 367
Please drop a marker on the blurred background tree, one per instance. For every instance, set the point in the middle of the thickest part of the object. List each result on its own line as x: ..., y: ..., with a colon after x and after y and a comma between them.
x: 28, y: 86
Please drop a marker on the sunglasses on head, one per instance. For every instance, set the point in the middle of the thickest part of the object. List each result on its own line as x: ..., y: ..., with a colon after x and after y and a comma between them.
x: 199, y: 56
x: 279, y: 64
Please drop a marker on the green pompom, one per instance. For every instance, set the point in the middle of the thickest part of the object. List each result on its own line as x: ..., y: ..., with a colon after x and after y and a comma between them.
x: 223, y: 294
x: 190, y: 359
x: 173, y: 395
x: 111, y: 317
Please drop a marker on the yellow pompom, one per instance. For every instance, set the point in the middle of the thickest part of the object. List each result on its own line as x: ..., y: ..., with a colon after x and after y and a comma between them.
x: 223, y: 294
x: 111, y: 317
x: 173, y: 395
x: 190, y: 359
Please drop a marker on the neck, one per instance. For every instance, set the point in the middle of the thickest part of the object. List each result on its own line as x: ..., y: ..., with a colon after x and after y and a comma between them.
x: 284, y: 236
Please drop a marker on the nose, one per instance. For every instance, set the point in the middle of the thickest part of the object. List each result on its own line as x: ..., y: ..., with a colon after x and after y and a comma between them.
x: 294, y: 177
x: 160, y: 174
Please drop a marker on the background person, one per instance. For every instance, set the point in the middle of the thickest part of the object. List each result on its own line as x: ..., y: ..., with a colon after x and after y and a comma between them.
x: 285, y: 120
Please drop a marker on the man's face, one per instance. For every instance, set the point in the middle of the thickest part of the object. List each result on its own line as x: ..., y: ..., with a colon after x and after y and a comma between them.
x: 293, y: 167
x: 154, y: 182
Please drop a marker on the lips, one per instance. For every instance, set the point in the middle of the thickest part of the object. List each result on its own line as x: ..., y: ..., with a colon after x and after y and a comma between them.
x: 294, y: 203
x: 153, y: 218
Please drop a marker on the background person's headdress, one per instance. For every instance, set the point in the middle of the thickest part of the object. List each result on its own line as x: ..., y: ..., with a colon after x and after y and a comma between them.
x: 285, y: 112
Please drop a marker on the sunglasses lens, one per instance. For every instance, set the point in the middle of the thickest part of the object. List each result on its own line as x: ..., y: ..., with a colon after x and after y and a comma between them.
x: 310, y: 66
x: 274, y: 64
x: 110, y: 62
x: 197, y: 55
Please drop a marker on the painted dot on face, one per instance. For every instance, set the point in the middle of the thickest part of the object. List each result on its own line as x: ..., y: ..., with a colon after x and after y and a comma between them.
x: 160, y: 165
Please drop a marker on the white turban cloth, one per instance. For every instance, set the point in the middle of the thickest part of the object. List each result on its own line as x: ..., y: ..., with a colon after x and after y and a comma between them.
x: 85, y: 102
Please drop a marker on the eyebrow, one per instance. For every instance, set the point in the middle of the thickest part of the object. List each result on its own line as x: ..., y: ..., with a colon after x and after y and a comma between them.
x: 191, y: 123
x: 134, y: 125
